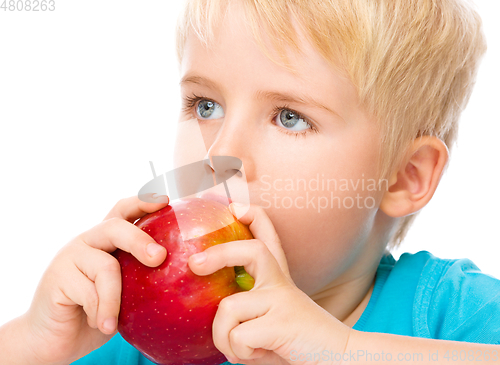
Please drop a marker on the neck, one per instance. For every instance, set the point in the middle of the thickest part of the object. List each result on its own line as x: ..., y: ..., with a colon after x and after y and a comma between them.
x: 347, y: 301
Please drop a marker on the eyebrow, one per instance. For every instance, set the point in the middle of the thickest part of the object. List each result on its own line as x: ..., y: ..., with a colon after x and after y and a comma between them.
x: 269, y: 95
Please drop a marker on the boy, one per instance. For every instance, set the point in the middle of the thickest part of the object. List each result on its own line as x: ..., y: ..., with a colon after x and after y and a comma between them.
x: 366, y: 104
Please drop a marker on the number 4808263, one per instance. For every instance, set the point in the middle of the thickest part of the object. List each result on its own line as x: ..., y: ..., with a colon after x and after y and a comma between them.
x: 28, y: 5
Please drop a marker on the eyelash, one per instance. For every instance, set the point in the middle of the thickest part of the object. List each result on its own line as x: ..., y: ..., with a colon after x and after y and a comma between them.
x: 190, y: 102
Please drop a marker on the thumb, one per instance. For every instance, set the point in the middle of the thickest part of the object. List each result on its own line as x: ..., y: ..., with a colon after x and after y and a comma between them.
x: 262, y: 229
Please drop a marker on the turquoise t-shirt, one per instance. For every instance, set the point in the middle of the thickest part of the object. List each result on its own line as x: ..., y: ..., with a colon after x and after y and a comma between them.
x: 419, y: 295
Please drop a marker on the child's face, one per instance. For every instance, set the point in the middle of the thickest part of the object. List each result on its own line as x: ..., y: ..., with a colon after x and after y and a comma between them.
x: 324, y: 246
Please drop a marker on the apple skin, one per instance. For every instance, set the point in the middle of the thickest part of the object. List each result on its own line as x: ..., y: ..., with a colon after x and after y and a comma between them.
x: 167, y: 312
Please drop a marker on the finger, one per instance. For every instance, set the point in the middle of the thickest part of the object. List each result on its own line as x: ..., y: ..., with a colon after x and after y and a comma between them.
x: 263, y: 229
x: 264, y: 357
x: 79, y: 289
x: 252, y: 254
x: 118, y: 233
x: 232, y: 311
x: 104, y: 271
x: 132, y: 208
x: 248, y: 341
x: 259, y: 357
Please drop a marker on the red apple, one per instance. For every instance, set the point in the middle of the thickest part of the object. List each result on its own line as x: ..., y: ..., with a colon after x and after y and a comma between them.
x: 167, y: 311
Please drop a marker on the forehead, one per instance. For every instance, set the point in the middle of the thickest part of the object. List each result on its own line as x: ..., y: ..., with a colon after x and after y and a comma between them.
x: 235, y: 61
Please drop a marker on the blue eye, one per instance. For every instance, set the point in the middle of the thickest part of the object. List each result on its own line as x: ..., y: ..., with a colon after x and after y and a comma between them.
x: 291, y: 120
x: 208, y: 109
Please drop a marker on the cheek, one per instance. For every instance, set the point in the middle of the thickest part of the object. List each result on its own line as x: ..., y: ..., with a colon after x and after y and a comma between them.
x: 320, y: 199
x: 318, y: 230
x: 319, y: 245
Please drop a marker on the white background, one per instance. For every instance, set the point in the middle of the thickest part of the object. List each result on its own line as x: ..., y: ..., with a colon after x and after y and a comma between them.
x: 89, y: 95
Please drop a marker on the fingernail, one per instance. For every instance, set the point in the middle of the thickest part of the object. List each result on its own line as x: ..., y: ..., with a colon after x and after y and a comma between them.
x: 235, y: 208
x: 199, y: 258
x: 161, y: 198
x: 154, y: 249
x: 109, y: 324
x: 231, y: 360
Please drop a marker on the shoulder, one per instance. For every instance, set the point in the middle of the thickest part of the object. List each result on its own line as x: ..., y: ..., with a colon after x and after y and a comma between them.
x: 422, y: 295
x: 411, y: 269
x: 454, y: 299
x: 391, y: 303
x: 411, y: 262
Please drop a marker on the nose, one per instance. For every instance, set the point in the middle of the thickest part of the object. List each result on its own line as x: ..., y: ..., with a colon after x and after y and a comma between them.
x: 226, y: 160
x: 224, y: 167
x: 230, y: 153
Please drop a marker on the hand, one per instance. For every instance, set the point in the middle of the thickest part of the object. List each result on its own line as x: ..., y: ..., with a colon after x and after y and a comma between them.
x: 275, y: 322
x: 81, y: 288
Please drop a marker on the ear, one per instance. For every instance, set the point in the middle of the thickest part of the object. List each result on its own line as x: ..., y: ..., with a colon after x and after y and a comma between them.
x: 412, y: 186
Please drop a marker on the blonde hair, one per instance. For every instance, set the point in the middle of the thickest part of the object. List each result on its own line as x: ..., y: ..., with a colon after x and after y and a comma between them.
x: 413, y: 62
